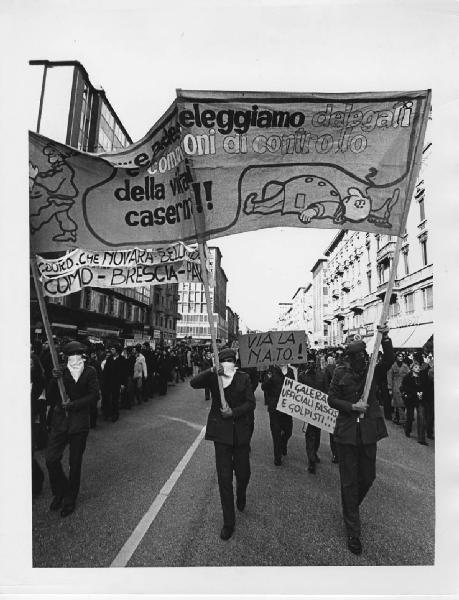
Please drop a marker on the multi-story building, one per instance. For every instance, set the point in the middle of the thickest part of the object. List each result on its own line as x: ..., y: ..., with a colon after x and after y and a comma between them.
x: 320, y: 304
x: 72, y: 111
x: 357, y: 276
x: 284, y: 316
x: 232, y: 319
x: 194, y: 323
x: 302, y: 317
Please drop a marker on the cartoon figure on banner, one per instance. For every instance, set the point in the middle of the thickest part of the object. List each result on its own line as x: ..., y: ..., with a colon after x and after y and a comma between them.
x: 52, y: 193
x: 312, y: 197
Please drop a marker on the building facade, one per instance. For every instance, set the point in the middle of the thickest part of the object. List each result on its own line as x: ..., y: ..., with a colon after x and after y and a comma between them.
x: 72, y: 111
x: 232, y: 319
x: 194, y: 323
x: 357, y: 274
x: 320, y: 302
x: 284, y: 316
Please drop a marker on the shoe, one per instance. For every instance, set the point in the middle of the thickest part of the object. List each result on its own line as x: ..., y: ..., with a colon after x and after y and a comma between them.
x: 226, y: 532
x: 56, y: 503
x: 423, y: 443
x: 335, y: 459
x: 407, y: 434
x: 240, y: 503
x: 278, y: 462
x: 284, y: 450
x: 354, y: 545
x: 317, y: 459
x: 67, y: 510
x: 312, y: 468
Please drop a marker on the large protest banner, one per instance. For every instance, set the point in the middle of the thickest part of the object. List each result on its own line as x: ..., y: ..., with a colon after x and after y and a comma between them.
x: 120, y: 277
x: 272, y: 348
x: 221, y: 163
x: 307, y: 404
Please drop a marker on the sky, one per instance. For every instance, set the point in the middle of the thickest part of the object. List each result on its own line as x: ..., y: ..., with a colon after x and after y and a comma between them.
x: 141, y: 55
x: 140, y: 51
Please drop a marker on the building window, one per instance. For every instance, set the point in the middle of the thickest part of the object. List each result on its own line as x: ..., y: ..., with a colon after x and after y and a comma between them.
x: 409, y: 302
x: 427, y: 297
x: 423, y: 242
x: 369, y: 281
x: 406, y: 265
x: 394, y: 309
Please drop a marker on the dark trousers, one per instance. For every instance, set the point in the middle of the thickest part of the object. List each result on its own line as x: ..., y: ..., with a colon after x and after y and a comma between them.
x: 162, y: 384
x: 429, y: 418
x: 333, y: 446
x: 312, y: 437
x: 420, y: 421
x: 37, y: 477
x: 61, y: 486
x: 281, y: 430
x: 357, y: 470
x: 228, y: 459
x: 93, y: 413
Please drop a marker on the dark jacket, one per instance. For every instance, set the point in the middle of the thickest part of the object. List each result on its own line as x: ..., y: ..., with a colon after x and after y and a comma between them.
x: 115, y: 372
x: 239, y: 395
x: 82, y: 393
x: 314, y: 378
x: 272, y: 385
x: 410, y: 387
x: 347, y: 388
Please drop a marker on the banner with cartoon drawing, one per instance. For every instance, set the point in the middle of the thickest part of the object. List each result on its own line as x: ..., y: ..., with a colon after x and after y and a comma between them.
x: 219, y: 163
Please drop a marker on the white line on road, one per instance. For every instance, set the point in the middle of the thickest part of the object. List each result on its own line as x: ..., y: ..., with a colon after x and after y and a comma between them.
x: 124, y: 555
x: 197, y: 426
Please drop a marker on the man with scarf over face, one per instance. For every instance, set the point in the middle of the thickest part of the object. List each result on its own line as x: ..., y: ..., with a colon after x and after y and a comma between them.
x: 358, y: 427
x: 70, y: 425
x: 230, y: 430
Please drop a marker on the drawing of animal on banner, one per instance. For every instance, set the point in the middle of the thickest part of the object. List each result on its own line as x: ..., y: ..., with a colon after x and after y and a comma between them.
x: 307, y: 404
x: 316, y: 197
x: 272, y: 348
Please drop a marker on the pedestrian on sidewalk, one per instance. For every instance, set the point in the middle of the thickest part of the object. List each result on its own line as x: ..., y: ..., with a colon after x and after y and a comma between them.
x: 70, y: 425
x: 395, y: 376
x: 140, y: 374
x: 114, y: 378
x: 281, y: 424
x: 206, y: 363
x: 414, y: 388
x: 359, y: 426
x: 230, y: 430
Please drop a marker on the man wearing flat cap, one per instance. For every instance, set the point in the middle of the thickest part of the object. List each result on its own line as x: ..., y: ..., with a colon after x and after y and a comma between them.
x: 359, y: 426
x: 70, y: 425
x: 230, y: 429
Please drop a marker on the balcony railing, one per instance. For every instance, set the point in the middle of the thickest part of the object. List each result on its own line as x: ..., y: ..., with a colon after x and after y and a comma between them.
x: 385, y: 251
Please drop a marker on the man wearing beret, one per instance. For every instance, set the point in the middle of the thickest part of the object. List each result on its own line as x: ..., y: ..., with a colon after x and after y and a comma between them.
x: 70, y: 425
x: 359, y: 426
x: 230, y: 429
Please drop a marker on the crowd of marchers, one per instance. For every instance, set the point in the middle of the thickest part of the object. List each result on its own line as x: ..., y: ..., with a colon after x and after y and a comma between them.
x: 100, y: 382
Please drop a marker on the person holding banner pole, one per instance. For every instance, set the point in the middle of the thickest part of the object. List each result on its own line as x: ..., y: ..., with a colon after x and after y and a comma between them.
x: 359, y: 426
x: 230, y: 429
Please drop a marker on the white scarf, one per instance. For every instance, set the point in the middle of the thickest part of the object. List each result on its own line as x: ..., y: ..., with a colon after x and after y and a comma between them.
x: 284, y: 369
x: 75, y: 365
x: 229, y: 369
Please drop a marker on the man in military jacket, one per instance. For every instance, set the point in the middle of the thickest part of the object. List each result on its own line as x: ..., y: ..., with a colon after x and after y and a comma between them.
x: 231, y: 431
x: 359, y: 427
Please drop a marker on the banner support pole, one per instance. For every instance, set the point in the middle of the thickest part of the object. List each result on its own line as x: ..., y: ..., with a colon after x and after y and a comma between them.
x: 47, y: 325
x: 205, y: 279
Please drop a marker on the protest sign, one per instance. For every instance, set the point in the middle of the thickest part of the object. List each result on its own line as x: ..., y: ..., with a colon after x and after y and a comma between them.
x: 75, y: 259
x: 307, y: 404
x: 221, y: 163
x: 108, y: 277
x: 272, y: 348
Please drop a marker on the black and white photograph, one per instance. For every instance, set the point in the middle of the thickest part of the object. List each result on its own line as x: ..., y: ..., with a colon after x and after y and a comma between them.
x: 229, y: 299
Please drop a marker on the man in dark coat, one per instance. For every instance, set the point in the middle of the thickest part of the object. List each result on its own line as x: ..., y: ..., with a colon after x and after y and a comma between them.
x: 280, y: 423
x: 313, y: 377
x: 230, y: 430
x: 70, y: 425
x: 358, y: 427
x: 115, y: 380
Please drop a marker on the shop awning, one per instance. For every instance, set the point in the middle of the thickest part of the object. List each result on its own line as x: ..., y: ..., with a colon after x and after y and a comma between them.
x: 415, y: 336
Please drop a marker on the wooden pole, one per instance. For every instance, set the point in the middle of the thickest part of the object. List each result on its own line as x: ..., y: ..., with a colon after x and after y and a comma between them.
x: 205, y: 279
x: 47, y: 325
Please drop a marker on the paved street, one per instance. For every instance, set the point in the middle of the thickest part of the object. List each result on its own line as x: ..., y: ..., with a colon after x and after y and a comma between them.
x: 292, y: 518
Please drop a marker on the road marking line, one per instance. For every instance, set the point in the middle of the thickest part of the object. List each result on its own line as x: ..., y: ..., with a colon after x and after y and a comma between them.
x: 197, y: 426
x: 124, y: 555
